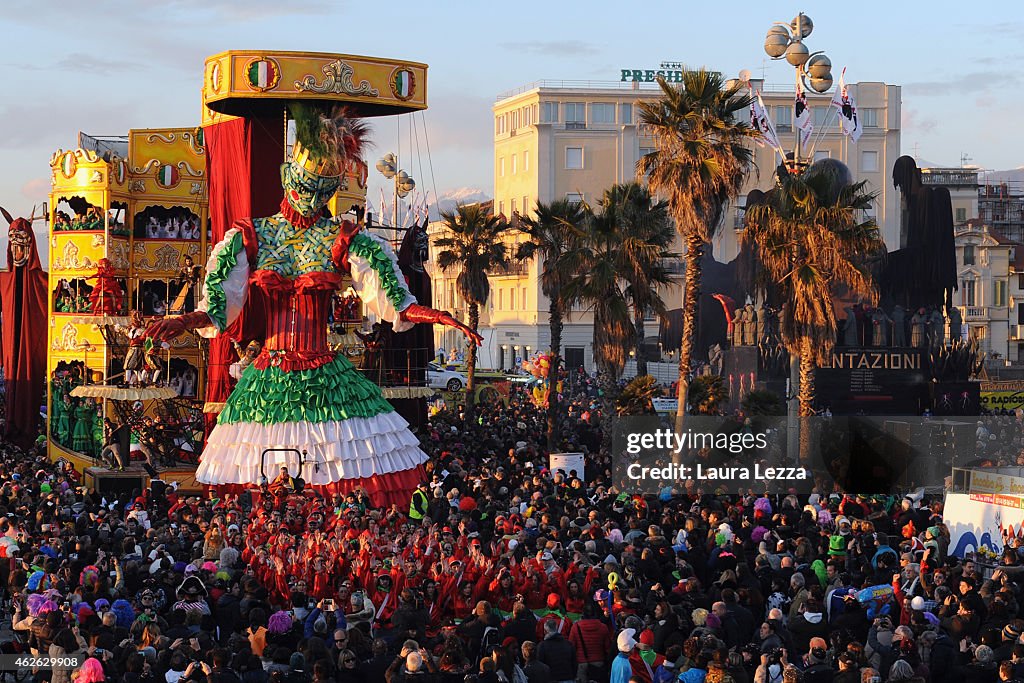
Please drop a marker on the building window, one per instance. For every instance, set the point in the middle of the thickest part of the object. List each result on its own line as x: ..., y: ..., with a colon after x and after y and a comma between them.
x: 512, y: 206
x: 548, y: 112
x: 501, y: 301
x: 1020, y: 318
x: 512, y: 299
x: 574, y: 198
x: 822, y: 154
x: 501, y: 167
x: 820, y: 115
x: 575, y: 115
x: 522, y: 299
x: 514, y: 157
x: 999, y: 293
x: 868, y: 117
x: 602, y: 113
x: 501, y: 208
x: 868, y: 161
x: 969, y: 255
x: 526, y: 203
x: 625, y: 113
x: 526, y: 161
x: 967, y: 287
x: 961, y: 214
x: 783, y: 118
x: 574, y: 157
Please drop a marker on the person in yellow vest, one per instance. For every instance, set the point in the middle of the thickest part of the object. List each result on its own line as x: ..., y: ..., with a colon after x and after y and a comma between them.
x: 419, y: 502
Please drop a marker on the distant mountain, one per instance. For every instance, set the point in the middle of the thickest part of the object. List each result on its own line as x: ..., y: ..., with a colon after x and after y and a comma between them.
x: 450, y: 199
x: 1013, y: 177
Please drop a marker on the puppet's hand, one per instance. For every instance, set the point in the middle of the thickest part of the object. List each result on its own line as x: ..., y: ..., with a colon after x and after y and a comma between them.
x: 167, y: 329
x: 423, y: 314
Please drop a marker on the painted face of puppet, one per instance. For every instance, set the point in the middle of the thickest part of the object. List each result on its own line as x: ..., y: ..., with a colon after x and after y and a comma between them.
x: 306, y: 192
x: 21, y: 241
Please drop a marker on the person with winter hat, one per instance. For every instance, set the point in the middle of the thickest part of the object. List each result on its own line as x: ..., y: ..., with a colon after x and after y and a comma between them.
x: 622, y: 669
x: 644, y: 659
x: 555, y: 614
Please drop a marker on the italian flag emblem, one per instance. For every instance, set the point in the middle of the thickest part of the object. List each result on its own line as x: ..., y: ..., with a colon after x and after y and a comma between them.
x: 120, y: 171
x: 68, y: 165
x: 167, y: 176
x: 403, y: 84
x: 262, y: 74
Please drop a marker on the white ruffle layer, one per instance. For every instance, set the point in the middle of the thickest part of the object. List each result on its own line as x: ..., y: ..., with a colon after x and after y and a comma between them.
x: 350, y: 449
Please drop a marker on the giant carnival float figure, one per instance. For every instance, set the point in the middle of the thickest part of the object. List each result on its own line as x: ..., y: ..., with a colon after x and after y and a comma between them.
x: 297, y: 393
x: 23, y: 293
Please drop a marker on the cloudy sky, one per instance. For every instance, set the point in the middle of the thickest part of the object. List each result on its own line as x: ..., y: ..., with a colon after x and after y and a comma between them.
x: 106, y: 66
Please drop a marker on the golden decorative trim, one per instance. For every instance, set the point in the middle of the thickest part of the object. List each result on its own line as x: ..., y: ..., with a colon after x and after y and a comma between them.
x: 137, y: 185
x: 337, y: 80
x: 185, y: 165
x: 149, y: 164
x: 168, y: 138
x: 68, y: 260
x: 68, y: 339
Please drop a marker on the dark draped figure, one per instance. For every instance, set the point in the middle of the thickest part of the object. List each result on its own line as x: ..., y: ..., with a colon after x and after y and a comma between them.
x: 923, y: 272
x: 409, y: 352
x: 23, y: 292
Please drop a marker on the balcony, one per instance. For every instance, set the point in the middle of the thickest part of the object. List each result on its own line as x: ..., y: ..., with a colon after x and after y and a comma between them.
x: 985, y: 313
x: 575, y: 125
x: 514, y: 269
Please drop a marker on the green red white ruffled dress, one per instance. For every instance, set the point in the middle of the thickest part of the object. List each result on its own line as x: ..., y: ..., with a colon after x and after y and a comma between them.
x: 298, y: 393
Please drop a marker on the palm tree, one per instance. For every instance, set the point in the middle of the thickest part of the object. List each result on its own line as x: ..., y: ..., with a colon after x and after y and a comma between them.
x: 814, y: 238
x: 701, y: 159
x: 552, y: 233
x: 649, y: 237
x: 472, y: 244
x: 612, y: 247
x: 707, y: 394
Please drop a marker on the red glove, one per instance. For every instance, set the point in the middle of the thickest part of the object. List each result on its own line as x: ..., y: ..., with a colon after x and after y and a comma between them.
x: 167, y: 329
x: 423, y: 314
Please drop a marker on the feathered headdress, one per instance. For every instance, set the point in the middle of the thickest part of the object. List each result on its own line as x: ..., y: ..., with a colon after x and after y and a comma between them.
x: 325, y: 140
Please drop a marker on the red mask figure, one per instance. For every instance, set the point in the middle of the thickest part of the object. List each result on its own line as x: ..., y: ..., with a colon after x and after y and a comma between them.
x: 23, y: 302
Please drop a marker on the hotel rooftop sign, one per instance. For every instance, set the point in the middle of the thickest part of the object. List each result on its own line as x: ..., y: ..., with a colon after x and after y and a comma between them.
x: 672, y: 72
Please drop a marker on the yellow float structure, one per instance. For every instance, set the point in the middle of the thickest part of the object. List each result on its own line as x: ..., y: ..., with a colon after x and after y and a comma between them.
x: 145, y: 208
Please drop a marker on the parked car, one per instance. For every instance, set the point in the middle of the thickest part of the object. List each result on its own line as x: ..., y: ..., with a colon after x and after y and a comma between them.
x: 441, y: 378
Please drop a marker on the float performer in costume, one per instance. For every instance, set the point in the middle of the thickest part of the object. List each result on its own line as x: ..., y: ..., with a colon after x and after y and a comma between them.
x: 106, y: 296
x: 298, y: 393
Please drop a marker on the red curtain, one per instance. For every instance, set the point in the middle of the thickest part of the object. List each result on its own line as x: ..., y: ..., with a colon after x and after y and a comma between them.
x: 243, y: 158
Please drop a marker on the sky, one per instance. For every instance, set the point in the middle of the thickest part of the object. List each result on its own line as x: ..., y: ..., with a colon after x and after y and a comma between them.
x: 106, y: 66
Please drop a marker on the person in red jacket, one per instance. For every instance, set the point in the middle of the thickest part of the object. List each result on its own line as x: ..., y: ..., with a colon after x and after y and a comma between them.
x: 556, y: 615
x: 592, y: 639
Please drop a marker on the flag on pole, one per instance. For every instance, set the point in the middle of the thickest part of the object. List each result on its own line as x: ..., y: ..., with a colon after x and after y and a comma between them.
x: 844, y: 102
x: 762, y: 123
x: 802, y: 114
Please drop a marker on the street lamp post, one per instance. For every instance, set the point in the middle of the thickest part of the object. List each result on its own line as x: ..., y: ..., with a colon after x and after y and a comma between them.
x: 404, y: 183
x: 813, y: 72
x: 813, y: 69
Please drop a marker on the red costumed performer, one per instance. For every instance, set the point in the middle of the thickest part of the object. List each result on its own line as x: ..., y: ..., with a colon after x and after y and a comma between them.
x: 105, y: 297
x: 23, y: 290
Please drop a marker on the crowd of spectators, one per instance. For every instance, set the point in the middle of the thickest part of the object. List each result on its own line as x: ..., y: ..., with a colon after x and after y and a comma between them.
x: 498, y: 571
